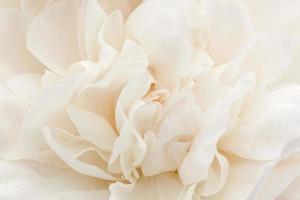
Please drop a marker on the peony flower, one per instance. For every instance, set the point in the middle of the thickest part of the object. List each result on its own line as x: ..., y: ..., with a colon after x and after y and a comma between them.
x: 154, y: 99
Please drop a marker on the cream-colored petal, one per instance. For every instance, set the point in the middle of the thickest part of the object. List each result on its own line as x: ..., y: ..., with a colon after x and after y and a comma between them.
x: 266, y: 58
x: 134, y: 90
x: 26, y: 86
x: 9, y: 3
x: 130, y: 142
x: 13, y: 51
x: 292, y: 192
x: 52, y: 36
x: 156, y: 152
x: 126, y: 6
x: 12, y: 111
x: 100, y: 97
x: 93, y: 127
x: 75, y: 152
x: 283, y: 174
x: 112, y: 31
x: 81, y: 195
x: 217, y: 176
x: 49, y: 78
x: 183, y: 118
x: 272, y: 15
x: 243, y: 178
x: 164, y: 186
x: 167, y: 48
x: 119, y: 190
x: 90, y: 19
x: 50, y: 109
x: 33, y: 6
x: 31, y: 180
x: 5, y: 73
x: 207, y: 82
x: 268, y: 124
x: 204, y: 147
x: 228, y: 29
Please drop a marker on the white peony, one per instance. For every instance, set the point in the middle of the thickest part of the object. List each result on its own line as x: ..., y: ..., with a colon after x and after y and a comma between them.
x: 149, y: 100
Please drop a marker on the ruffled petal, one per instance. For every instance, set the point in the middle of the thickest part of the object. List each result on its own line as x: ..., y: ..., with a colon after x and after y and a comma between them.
x: 244, y: 177
x: 203, y: 148
x: 164, y: 186
x: 217, y: 176
x: 268, y: 124
x: 93, y: 127
x: 167, y: 47
x: 49, y: 109
x: 77, y: 153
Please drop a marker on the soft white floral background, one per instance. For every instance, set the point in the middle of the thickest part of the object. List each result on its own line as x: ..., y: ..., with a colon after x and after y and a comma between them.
x: 149, y: 100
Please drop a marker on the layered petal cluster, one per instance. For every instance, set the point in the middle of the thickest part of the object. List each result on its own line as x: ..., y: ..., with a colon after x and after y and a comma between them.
x: 153, y: 99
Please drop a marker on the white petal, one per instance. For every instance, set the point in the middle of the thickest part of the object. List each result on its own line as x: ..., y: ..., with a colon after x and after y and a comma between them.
x: 5, y: 73
x: 268, y: 59
x: 12, y: 111
x: 26, y: 86
x: 93, y: 127
x: 268, y: 124
x: 74, y: 151
x: 52, y: 35
x: 49, y: 78
x: 33, y: 6
x: 217, y: 176
x: 100, y: 97
x: 81, y: 195
x: 112, y: 31
x: 203, y: 148
x: 126, y: 6
x: 13, y: 51
x: 164, y: 186
x: 244, y: 176
x: 49, y: 109
x: 229, y: 27
x: 133, y: 91
x: 31, y: 180
x: 167, y: 47
x: 90, y: 19
x: 156, y: 152
x: 283, y: 174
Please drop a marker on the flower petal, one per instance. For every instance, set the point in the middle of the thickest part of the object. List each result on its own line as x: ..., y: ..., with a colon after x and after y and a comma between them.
x: 90, y: 19
x: 228, y: 25
x: 204, y: 148
x: 52, y: 36
x: 93, y: 127
x: 32, y: 180
x: 13, y: 51
x: 268, y: 124
x: 167, y: 48
x: 26, y: 86
x: 70, y: 149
